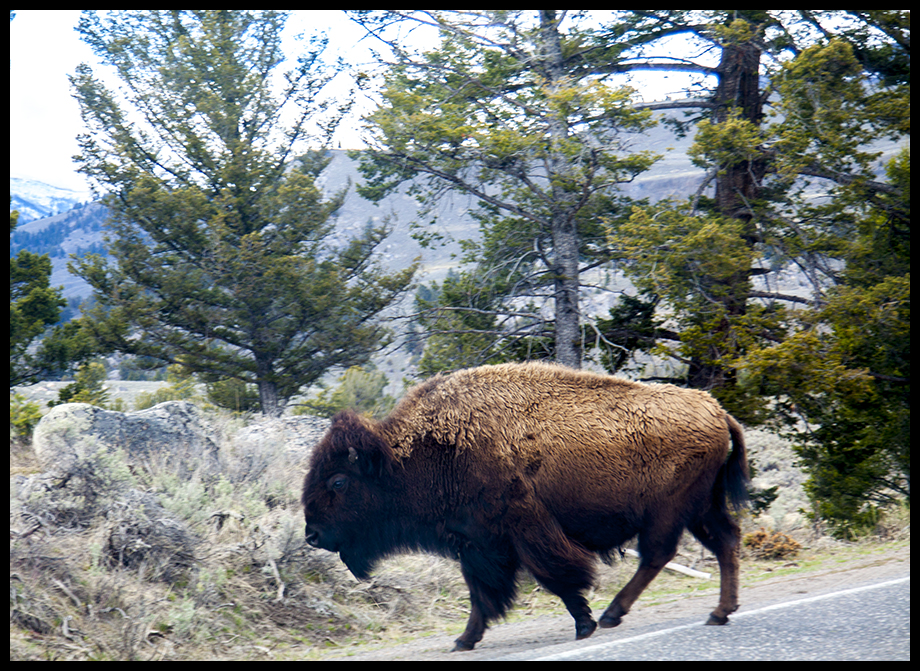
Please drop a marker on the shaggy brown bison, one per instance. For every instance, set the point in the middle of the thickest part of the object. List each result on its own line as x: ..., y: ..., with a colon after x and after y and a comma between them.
x: 537, y: 466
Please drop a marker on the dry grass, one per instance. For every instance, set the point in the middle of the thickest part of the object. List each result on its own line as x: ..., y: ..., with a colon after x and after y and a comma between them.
x: 125, y: 561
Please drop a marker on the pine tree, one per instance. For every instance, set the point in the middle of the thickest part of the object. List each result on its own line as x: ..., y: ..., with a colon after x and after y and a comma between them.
x: 787, y: 117
x: 507, y: 109
x: 34, y: 306
x: 792, y: 111
x: 220, y: 237
x: 789, y: 139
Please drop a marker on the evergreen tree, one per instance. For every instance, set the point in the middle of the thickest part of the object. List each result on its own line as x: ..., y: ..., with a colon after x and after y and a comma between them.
x: 841, y: 377
x: 220, y: 241
x: 360, y: 389
x: 791, y: 112
x: 34, y: 306
x: 509, y: 110
x: 787, y: 112
x: 789, y: 139
x: 86, y: 387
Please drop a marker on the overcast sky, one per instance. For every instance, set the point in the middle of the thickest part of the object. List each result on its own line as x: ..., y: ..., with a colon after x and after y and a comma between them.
x: 45, y: 119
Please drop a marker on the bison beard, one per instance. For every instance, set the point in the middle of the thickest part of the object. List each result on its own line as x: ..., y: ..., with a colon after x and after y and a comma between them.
x: 535, y: 466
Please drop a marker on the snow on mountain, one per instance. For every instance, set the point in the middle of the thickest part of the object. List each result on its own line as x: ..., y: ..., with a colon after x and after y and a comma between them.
x: 76, y: 231
x: 37, y: 200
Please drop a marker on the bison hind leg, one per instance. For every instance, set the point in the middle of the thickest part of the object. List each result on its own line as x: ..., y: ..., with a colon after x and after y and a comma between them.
x: 721, y: 535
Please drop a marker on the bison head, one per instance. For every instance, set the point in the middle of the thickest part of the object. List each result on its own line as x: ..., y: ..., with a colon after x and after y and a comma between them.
x: 346, y: 498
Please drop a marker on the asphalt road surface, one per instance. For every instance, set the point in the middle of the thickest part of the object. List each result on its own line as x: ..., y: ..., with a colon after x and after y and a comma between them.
x: 854, y: 607
x: 865, y: 622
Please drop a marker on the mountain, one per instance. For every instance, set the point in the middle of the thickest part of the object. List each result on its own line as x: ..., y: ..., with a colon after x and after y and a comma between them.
x: 37, y: 200
x: 80, y: 228
x: 77, y: 231
x: 54, y: 221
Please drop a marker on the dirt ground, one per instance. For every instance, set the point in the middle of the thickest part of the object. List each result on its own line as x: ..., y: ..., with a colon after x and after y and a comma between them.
x: 762, y: 584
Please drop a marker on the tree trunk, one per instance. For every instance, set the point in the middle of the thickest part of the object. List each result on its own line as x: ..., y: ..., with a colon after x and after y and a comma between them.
x: 568, y: 327
x: 271, y: 405
x: 564, y: 230
x: 737, y: 187
x: 268, y: 399
x: 739, y: 89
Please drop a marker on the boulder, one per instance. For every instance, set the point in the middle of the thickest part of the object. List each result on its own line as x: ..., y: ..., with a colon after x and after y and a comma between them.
x: 276, y: 443
x: 172, y: 433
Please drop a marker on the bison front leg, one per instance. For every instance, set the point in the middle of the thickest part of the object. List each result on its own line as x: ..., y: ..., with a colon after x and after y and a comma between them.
x: 490, y: 577
x: 569, y: 586
x: 578, y: 608
x: 563, y: 567
x: 627, y: 596
x: 475, y: 627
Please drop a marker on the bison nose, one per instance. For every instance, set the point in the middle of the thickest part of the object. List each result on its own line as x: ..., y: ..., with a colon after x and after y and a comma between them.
x: 311, y: 536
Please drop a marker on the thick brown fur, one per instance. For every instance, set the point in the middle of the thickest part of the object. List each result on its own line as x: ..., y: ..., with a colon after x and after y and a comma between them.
x: 532, y: 465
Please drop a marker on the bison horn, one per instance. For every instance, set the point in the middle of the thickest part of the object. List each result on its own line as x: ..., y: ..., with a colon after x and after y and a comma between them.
x: 352, y: 455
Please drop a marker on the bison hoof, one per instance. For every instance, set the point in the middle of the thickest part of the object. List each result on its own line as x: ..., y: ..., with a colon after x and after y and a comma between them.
x: 584, y: 629
x: 462, y: 646
x: 717, y: 619
x: 610, y: 621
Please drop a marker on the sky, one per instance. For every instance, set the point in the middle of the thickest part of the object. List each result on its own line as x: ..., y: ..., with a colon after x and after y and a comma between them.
x: 45, y: 118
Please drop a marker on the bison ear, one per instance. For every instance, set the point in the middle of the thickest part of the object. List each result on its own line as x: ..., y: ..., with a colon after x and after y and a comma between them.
x: 375, y: 462
x: 367, y: 452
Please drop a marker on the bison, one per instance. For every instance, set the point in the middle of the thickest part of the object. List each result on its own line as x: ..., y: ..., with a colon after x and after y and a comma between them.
x: 536, y: 466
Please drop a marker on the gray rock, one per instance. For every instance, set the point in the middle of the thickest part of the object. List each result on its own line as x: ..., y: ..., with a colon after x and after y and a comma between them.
x: 283, y: 442
x: 173, y: 433
x: 295, y: 434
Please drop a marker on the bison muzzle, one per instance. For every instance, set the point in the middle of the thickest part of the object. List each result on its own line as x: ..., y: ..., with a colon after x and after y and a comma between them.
x: 534, y: 466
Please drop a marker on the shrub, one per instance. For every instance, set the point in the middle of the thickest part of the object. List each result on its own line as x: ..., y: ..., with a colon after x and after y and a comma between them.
x: 360, y: 389
x: 86, y: 387
x: 766, y: 545
x: 181, y: 388
x: 24, y: 415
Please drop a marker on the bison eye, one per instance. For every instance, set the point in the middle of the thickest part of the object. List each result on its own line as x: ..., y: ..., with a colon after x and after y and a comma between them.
x: 338, y: 483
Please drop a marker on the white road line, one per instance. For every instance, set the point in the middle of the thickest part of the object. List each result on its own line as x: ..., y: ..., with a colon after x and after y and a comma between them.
x: 735, y: 616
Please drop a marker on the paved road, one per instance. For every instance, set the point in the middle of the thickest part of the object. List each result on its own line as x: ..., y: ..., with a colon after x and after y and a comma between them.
x: 864, y: 622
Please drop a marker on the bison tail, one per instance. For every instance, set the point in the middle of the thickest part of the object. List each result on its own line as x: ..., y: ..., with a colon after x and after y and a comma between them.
x: 735, y: 474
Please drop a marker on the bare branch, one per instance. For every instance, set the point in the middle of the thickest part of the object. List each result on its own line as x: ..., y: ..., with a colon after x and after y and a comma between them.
x: 772, y: 295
